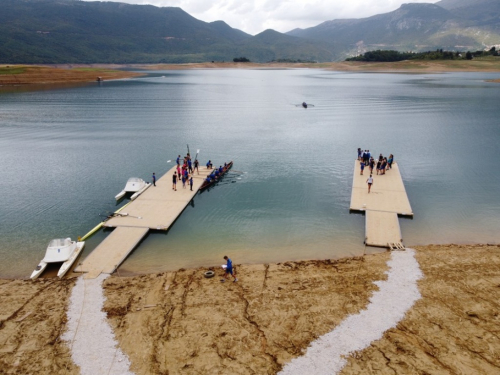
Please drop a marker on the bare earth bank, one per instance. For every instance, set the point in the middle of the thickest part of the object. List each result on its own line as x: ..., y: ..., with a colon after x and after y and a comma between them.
x: 183, y: 323
x: 15, y: 75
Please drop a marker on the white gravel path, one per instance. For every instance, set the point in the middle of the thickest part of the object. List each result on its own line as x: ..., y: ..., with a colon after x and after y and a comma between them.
x: 327, y: 355
x: 91, y: 339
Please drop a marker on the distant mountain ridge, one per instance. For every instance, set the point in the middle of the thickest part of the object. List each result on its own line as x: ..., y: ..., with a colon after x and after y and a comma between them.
x: 448, y: 24
x: 72, y: 31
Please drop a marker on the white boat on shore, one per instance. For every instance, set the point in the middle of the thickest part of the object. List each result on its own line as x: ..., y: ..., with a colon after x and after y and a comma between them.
x: 134, y: 185
x: 59, y: 250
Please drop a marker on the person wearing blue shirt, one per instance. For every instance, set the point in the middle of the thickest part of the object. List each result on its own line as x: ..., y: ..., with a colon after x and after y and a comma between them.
x: 220, y: 169
x: 229, y: 269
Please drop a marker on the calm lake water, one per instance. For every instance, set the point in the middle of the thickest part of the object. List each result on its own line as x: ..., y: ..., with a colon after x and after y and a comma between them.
x: 66, y: 152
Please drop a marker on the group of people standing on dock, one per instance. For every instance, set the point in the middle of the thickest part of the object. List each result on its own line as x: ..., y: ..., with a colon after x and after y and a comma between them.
x: 382, y: 164
x: 185, y: 172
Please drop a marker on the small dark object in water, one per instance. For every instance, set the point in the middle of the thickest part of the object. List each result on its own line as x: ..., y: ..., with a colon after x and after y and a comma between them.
x: 304, y: 104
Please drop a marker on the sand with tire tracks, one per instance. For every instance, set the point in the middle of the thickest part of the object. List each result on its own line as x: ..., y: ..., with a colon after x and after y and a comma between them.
x: 181, y: 322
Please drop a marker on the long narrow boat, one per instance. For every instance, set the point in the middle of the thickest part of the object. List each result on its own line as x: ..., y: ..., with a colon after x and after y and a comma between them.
x: 206, y: 184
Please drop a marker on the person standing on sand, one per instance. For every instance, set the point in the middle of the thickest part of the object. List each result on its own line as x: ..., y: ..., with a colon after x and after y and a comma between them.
x: 154, y: 179
x: 178, y: 160
x: 362, y: 166
x: 174, y: 181
x: 191, y: 183
x: 229, y: 270
x: 370, y: 183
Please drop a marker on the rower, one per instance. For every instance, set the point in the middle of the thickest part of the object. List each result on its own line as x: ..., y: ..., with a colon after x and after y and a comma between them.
x: 212, y: 176
x: 220, y: 169
x: 208, y: 179
x: 217, y: 173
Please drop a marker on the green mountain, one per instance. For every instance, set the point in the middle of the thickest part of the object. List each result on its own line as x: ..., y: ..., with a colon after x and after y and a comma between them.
x: 71, y: 31
x: 448, y: 24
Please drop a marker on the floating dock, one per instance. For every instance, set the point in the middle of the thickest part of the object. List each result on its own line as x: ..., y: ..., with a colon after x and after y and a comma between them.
x: 157, y: 208
x: 381, y: 206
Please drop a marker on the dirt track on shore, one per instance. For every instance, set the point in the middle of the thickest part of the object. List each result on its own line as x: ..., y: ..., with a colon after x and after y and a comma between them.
x: 183, y: 323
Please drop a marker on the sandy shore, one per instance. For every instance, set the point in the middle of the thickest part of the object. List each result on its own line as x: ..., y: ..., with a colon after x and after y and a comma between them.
x: 409, y: 66
x: 19, y: 75
x: 183, y: 323
x: 16, y: 75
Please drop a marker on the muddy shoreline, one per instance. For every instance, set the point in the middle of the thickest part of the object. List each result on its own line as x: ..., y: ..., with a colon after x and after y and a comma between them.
x: 181, y: 322
x: 25, y: 75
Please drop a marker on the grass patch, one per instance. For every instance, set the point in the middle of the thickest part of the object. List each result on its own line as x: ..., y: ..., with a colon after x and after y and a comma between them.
x: 12, y: 70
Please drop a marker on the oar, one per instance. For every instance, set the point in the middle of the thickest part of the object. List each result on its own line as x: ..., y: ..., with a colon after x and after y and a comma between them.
x: 126, y: 214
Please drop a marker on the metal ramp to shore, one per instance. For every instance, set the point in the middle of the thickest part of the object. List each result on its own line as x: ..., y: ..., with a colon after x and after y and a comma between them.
x: 157, y: 208
x: 381, y: 206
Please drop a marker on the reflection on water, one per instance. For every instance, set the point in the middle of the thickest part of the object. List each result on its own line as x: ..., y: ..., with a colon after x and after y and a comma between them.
x: 67, y: 152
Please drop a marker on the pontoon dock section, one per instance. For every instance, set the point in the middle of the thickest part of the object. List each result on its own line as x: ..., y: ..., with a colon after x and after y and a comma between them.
x: 157, y: 208
x: 382, y: 205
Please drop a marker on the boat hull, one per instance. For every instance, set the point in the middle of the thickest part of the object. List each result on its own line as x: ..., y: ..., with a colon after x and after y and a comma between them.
x: 66, y: 266
x: 206, y: 184
x: 38, y: 270
x: 120, y: 195
x: 140, y: 192
x: 134, y: 185
x: 51, y: 256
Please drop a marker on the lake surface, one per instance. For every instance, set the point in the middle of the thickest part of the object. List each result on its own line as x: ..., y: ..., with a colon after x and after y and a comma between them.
x: 67, y: 152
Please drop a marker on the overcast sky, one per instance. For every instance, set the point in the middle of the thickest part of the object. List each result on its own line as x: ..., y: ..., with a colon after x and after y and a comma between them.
x: 255, y: 16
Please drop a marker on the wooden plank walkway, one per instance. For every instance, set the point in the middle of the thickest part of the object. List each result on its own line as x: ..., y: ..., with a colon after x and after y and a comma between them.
x: 382, y: 205
x: 111, y: 252
x: 382, y: 228
x: 388, y: 192
x: 157, y: 208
